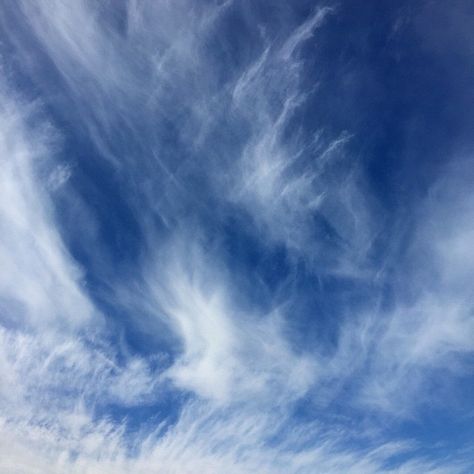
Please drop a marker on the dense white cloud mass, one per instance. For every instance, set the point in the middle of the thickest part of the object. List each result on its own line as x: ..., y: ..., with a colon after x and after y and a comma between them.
x: 135, y: 334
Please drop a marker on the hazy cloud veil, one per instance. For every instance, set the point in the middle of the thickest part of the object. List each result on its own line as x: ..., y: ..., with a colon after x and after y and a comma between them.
x: 236, y: 236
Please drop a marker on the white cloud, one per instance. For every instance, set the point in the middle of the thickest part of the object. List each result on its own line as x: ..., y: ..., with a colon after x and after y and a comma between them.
x: 59, y: 176
x: 428, y: 331
x: 294, y: 189
x: 226, y: 354
x: 210, y: 440
x: 238, y: 370
x: 39, y: 282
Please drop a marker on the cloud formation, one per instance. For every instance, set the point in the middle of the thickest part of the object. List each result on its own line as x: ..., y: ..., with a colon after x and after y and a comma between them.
x: 198, y: 270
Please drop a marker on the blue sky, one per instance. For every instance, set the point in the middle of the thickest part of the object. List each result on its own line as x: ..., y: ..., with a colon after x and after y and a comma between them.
x: 236, y: 236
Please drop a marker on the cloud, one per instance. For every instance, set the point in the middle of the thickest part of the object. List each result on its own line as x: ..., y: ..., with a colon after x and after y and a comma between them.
x: 39, y: 283
x: 176, y: 134
x: 202, y: 438
x: 298, y: 190
x: 59, y: 176
x: 426, y: 332
x: 226, y: 354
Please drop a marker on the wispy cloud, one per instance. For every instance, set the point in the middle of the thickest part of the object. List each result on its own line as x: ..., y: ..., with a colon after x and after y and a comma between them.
x: 160, y: 132
x: 227, y: 354
x: 39, y: 282
x: 298, y: 188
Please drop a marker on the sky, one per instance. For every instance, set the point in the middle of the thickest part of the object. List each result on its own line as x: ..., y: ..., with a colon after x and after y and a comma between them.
x: 236, y: 236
